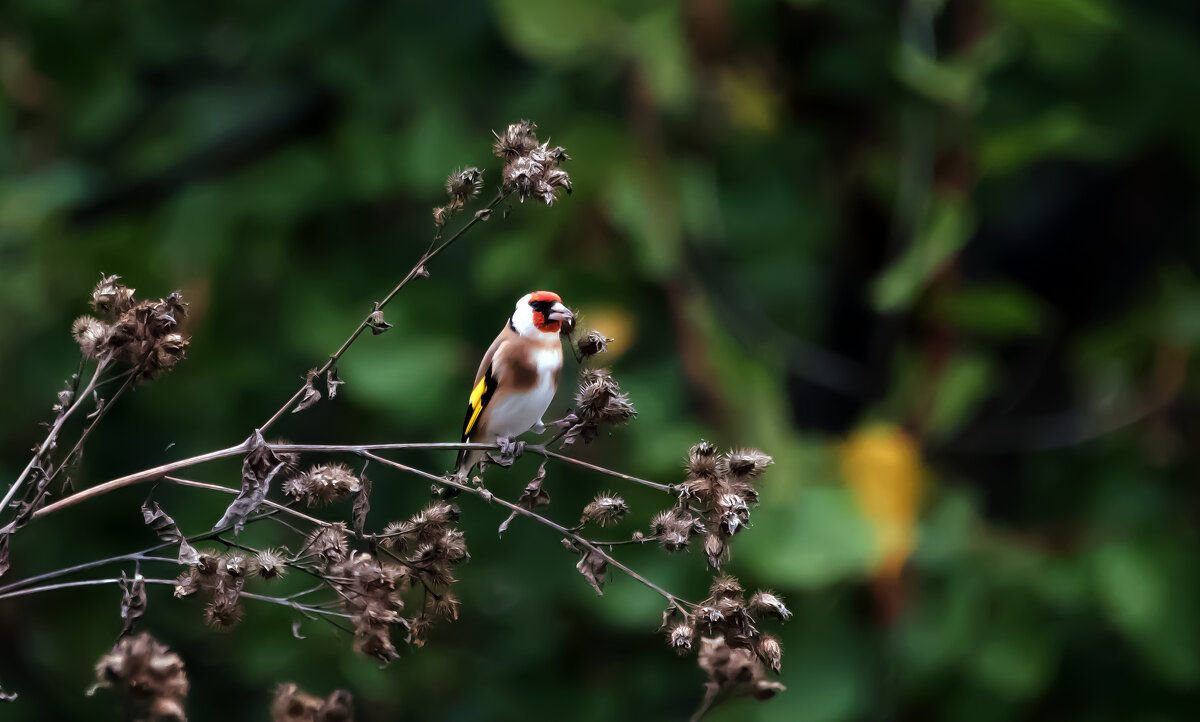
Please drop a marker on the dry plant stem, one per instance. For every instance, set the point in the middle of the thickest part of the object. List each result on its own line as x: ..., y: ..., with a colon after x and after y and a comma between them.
x: 52, y: 435
x: 108, y: 404
x: 365, y: 323
x: 138, y: 556
x: 311, y: 610
x: 159, y: 472
x: 146, y: 475
x: 266, y: 502
x: 542, y: 450
x: 488, y: 496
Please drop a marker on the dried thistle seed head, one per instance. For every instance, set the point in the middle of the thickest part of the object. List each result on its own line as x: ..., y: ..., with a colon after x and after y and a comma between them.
x: 90, y: 333
x: 111, y: 297
x: 238, y: 565
x: 149, y: 674
x: 771, y: 651
x: 223, y: 612
x: 208, y: 563
x: 734, y: 513
x: 660, y: 521
x: 715, y: 549
x: 744, y: 464
x: 769, y: 603
x: 702, y: 461
x: 522, y: 175
x: 518, y: 139
x: 725, y: 587
x: 328, y: 542
x: 551, y: 181
x: 607, y: 508
x: 600, y: 399
x: 464, y: 184
x: 187, y: 584
x: 270, y: 563
x: 680, y: 637
x: 592, y: 343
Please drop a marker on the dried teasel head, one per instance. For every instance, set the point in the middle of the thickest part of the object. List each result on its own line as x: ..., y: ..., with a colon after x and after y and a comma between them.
x: 465, y: 184
x: 90, y: 333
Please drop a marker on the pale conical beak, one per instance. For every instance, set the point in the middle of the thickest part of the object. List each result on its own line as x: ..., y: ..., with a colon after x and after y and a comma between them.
x: 559, y: 312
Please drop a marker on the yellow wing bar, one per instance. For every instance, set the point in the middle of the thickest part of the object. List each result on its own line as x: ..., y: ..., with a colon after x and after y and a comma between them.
x: 476, y: 404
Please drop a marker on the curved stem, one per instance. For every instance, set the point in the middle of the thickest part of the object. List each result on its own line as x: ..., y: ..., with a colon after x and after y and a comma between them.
x: 417, y: 270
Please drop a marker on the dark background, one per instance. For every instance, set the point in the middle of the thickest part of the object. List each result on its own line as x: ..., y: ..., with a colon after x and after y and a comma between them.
x: 938, y: 258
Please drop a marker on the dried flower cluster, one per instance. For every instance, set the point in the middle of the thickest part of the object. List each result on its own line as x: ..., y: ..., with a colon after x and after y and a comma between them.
x: 599, y: 401
x: 720, y: 488
x: 730, y: 649
x: 292, y: 704
x: 532, y: 168
x: 221, y: 577
x: 322, y: 484
x: 141, y: 333
x: 149, y: 675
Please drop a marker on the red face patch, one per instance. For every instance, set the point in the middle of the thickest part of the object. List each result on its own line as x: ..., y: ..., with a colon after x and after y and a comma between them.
x: 545, y: 296
x: 539, y: 320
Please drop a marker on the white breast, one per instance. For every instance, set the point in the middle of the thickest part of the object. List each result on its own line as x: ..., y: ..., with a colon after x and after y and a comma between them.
x: 516, y: 414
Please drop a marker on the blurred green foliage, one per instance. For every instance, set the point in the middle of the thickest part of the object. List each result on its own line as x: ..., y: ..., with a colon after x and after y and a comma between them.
x: 971, y: 223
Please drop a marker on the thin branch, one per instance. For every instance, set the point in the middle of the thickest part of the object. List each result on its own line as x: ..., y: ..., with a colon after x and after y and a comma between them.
x: 488, y: 496
x: 129, y: 375
x: 417, y: 270
x: 145, y: 475
x: 541, y: 449
x: 52, y: 435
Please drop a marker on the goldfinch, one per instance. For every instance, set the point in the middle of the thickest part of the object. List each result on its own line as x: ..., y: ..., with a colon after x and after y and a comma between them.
x: 518, y: 376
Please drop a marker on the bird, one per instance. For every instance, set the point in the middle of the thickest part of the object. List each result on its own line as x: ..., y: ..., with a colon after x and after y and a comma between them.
x: 517, y: 377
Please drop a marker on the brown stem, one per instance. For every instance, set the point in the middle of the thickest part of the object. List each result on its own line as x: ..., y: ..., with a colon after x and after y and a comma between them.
x: 488, y: 496
x: 365, y: 323
x: 52, y: 435
x: 146, y: 475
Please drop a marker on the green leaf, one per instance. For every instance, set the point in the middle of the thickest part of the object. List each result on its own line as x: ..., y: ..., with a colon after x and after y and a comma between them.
x: 949, y: 226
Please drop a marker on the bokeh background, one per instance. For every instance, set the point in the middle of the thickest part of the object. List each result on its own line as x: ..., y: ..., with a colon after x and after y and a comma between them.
x: 938, y: 258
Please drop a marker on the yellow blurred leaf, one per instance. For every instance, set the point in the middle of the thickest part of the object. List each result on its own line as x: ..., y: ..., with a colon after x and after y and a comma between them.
x: 882, y: 467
